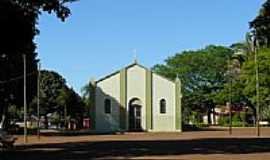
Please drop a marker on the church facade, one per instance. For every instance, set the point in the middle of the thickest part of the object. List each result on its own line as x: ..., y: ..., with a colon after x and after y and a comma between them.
x: 136, y: 99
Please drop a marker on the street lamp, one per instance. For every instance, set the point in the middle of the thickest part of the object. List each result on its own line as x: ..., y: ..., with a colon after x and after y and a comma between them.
x: 231, y: 74
x: 38, y: 102
x: 230, y: 91
x: 257, y: 91
x: 230, y: 95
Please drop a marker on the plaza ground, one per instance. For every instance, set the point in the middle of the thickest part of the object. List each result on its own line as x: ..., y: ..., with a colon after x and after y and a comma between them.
x: 213, y: 143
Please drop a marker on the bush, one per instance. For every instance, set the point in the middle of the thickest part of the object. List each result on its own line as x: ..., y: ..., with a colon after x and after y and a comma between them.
x: 201, y: 125
x: 238, y: 120
x: 224, y: 121
x: 195, y: 117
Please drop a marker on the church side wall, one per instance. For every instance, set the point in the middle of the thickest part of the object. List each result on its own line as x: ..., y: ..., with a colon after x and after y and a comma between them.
x: 136, y: 89
x: 163, y: 89
x: 110, y: 89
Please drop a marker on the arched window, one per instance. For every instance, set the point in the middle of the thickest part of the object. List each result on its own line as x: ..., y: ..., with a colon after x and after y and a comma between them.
x: 107, y: 106
x: 162, y: 106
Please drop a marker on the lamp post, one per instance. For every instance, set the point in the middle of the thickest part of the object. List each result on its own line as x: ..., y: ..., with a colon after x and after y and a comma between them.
x: 38, y: 102
x: 24, y: 99
x: 232, y: 73
x: 257, y: 92
x: 230, y: 95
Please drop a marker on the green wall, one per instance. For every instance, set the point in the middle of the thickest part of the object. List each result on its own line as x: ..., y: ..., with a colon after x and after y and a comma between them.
x: 178, y: 108
x: 149, y: 106
x: 123, y: 98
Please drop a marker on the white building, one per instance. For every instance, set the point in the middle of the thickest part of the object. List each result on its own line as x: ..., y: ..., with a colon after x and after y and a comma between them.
x: 136, y: 99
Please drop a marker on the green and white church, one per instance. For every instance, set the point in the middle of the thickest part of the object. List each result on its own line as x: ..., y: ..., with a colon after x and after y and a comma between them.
x: 136, y: 99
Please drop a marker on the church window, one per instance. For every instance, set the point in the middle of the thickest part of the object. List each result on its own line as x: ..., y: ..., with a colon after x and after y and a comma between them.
x: 163, y: 106
x: 107, y: 106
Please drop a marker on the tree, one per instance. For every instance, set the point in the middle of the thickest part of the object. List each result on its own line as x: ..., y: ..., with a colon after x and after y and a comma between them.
x: 76, y: 108
x: 260, y: 25
x: 17, y: 33
x: 243, y: 86
x: 18, y: 28
x: 87, y: 92
x: 56, y: 97
x: 232, y: 88
x: 63, y: 100
x: 202, y: 73
x: 248, y: 79
x: 51, y: 85
x: 261, y: 40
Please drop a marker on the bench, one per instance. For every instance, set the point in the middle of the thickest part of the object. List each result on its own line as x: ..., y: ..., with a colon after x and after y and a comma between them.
x: 7, y: 140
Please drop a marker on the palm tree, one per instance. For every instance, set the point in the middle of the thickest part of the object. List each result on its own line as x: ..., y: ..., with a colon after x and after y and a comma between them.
x: 87, y: 93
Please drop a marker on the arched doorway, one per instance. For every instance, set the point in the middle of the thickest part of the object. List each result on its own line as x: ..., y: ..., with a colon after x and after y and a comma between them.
x: 135, y: 107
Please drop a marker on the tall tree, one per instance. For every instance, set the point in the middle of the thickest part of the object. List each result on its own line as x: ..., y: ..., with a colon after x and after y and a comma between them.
x: 248, y: 79
x: 87, y: 96
x: 261, y: 27
x: 56, y: 96
x: 261, y: 41
x: 17, y: 33
x: 202, y: 73
x: 18, y: 28
x: 51, y: 85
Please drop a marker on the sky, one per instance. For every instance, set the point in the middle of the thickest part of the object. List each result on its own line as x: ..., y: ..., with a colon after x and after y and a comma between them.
x: 101, y: 36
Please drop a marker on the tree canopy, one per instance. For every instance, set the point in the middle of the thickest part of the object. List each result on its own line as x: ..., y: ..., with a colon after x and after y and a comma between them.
x: 260, y: 25
x: 18, y: 28
x: 248, y: 79
x: 202, y: 73
x: 55, y: 95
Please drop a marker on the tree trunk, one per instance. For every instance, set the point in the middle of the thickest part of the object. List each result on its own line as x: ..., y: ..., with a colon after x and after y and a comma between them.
x: 214, y: 116
x: 209, y: 116
x: 65, y: 114
x: 2, y: 121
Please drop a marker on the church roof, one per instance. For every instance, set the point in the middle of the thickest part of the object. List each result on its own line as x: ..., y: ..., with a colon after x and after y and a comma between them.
x: 135, y: 63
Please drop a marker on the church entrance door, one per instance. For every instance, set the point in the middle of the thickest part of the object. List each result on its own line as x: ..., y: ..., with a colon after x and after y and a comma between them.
x: 135, y: 115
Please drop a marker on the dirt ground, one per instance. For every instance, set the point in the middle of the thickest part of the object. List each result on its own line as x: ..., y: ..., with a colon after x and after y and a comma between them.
x: 213, y: 144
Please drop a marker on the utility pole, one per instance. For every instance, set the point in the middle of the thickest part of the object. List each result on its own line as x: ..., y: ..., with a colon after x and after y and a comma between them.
x: 24, y: 99
x: 230, y: 96
x: 230, y: 112
x: 257, y: 93
x: 65, y: 115
x: 38, y: 102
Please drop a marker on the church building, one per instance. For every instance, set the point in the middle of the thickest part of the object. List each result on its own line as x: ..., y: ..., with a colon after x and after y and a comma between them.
x: 136, y: 99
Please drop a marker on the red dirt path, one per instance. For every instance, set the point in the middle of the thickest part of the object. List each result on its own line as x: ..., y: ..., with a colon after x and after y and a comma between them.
x: 197, y: 145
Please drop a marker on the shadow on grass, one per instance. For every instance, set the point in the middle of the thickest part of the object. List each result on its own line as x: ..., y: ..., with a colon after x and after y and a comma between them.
x: 127, y: 149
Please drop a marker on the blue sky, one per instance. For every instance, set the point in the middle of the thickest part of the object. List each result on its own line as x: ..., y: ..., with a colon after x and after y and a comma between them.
x: 100, y: 35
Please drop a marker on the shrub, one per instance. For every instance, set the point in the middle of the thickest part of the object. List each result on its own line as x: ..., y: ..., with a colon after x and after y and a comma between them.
x: 224, y: 121
x: 238, y: 120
